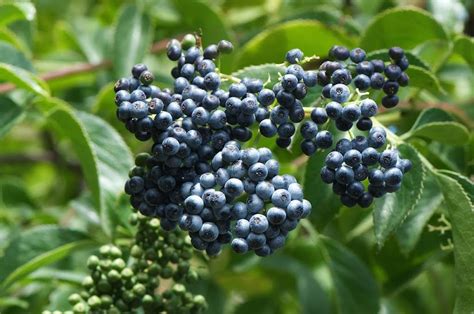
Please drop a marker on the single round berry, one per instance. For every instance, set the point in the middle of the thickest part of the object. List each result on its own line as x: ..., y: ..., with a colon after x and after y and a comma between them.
x: 339, y: 93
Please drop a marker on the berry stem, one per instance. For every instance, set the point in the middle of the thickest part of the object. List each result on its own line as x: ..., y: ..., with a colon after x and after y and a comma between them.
x: 229, y: 77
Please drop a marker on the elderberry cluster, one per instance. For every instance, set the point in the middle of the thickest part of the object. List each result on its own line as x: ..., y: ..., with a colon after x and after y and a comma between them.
x: 197, y: 176
x: 126, y: 280
x: 352, y: 162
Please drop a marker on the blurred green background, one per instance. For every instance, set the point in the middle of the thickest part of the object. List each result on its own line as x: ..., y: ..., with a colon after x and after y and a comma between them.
x: 63, y: 161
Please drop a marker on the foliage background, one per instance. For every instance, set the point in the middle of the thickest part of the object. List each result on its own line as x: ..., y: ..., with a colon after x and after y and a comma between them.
x: 64, y: 158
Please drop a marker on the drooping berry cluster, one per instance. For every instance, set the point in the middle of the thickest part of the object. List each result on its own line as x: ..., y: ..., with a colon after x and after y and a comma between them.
x: 119, y: 284
x: 199, y: 178
x: 352, y: 162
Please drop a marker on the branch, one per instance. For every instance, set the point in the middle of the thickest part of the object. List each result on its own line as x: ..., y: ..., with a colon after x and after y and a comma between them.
x: 83, y: 68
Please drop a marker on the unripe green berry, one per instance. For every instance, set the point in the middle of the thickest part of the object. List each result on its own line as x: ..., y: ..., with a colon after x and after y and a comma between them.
x: 192, y: 276
x: 94, y: 302
x: 113, y: 276
x: 96, y: 275
x: 126, y: 273
x: 141, y: 159
x: 88, y: 282
x: 105, y: 264
x: 79, y: 308
x: 104, y: 286
x: 92, y: 262
x: 115, y: 252
x: 137, y: 171
x: 84, y: 295
x: 118, y: 264
x: 74, y: 299
x: 154, y: 223
x: 128, y: 296
x: 148, y: 301
x: 154, y: 270
x: 142, y: 277
x: 133, y: 219
x: 188, y: 41
x: 106, y: 301
x: 200, y: 300
x: 136, y: 251
x: 179, y: 289
x: 139, y: 289
x: 166, y: 272
x: 104, y: 250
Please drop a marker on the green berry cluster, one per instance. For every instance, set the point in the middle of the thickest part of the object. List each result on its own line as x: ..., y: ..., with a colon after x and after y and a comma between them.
x: 127, y: 280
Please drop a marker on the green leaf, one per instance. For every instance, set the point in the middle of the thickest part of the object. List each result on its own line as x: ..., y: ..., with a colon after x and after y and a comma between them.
x: 461, y: 214
x: 466, y: 184
x: 311, y: 296
x: 105, y: 158
x: 431, y: 115
x: 11, y: 12
x: 438, y: 125
x: 410, y: 231
x: 10, y: 114
x: 272, y: 44
x: 23, y: 79
x: 198, y: 16
x: 132, y: 38
x: 37, y: 247
x: 412, y: 58
x: 393, y: 208
x: 452, y: 133
x: 422, y: 78
x: 403, y: 27
x: 11, y: 55
x: 464, y: 46
x: 325, y: 203
x: 8, y: 36
x: 355, y: 288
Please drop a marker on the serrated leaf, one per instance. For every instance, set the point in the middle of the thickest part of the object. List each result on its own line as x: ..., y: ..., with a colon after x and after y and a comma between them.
x: 104, y: 156
x: 412, y: 58
x: 461, y: 214
x: 325, y: 203
x: 132, y: 37
x: 272, y: 44
x: 422, y: 78
x: 10, y: 12
x: 9, y: 54
x: 438, y: 125
x: 431, y: 115
x: 355, y: 288
x: 10, y: 114
x: 391, y: 209
x: 23, y: 79
x: 37, y: 247
x: 466, y: 184
x: 417, y: 26
x: 464, y: 46
x: 452, y: 133
x: 410, y: 231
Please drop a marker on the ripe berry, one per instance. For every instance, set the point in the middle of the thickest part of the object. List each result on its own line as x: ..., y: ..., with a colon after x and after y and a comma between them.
x: 323, y: 139
x: 339, y: 93
x: 294, y: 56
x: 351, y: 112
x: 357, y: 55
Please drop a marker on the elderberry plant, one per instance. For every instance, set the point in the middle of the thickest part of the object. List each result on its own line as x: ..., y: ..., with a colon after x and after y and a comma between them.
x: 198, y: 176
